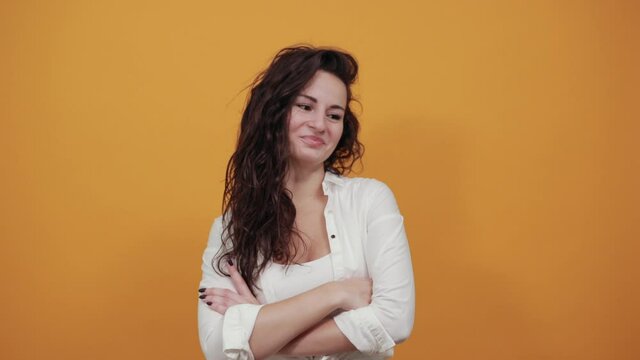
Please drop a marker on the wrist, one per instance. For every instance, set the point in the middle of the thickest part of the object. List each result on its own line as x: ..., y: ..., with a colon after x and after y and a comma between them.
x: 337, y: 295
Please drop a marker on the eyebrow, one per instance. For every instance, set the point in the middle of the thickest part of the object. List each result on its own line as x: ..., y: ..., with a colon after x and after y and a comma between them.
x: 316, y: 101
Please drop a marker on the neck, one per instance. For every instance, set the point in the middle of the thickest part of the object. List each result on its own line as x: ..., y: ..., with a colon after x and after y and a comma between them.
x: 304, y: 183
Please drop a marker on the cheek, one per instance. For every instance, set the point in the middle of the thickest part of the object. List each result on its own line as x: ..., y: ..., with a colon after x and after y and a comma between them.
x: 294, y: 121
x: 291, y: 125
x: 339, y: 131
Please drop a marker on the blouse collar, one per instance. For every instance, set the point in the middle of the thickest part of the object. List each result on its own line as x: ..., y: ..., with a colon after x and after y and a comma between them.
x: 331, y: 178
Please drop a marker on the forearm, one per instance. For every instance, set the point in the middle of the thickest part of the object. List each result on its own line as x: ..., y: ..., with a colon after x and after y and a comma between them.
x: 323, y: 338
x: 279, y: 323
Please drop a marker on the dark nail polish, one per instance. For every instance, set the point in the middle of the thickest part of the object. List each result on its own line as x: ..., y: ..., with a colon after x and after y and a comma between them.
x: 209, y: 303
x: 202, y: 296
x: 201, y: 290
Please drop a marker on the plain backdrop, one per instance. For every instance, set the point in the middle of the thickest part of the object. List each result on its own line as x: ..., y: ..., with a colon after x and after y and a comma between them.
x: 506, y: 129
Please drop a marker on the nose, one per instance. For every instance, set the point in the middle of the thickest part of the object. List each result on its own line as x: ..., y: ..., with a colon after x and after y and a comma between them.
x: 317, y: 121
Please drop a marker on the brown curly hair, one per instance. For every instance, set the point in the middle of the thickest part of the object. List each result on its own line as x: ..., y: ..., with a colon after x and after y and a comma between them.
x: 258, y: 210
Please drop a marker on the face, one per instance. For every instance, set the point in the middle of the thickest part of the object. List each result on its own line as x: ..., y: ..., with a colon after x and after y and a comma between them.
x: 316, y: 119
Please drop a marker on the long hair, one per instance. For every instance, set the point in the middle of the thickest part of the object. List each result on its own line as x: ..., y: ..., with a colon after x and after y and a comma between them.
x: 257, y: 208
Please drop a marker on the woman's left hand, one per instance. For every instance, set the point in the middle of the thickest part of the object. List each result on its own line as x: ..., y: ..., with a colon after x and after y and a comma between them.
x: 219, y: 300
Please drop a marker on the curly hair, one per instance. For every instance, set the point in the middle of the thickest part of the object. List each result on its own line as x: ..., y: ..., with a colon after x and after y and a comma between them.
x: 258, y: 210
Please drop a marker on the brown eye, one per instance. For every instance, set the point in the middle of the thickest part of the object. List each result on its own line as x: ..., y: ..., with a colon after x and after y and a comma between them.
x: 304, y: 106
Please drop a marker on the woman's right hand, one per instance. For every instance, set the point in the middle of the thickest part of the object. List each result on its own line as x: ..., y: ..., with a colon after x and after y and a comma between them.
x: 354, y: 292
x: 220, y: 300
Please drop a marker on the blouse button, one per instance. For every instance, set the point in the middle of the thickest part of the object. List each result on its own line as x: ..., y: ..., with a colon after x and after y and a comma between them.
x: 333, y: 236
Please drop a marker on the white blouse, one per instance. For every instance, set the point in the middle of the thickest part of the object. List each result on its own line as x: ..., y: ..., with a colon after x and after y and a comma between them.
x: 366, y: 238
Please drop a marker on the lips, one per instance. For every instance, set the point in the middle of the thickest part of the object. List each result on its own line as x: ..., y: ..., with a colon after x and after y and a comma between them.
x: 313, y: 140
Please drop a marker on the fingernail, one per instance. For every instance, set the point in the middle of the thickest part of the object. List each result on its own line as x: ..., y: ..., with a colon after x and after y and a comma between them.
x: 209, y: 303
x: 229, y: 262
x: 201, y: 290
x: 202, y: 296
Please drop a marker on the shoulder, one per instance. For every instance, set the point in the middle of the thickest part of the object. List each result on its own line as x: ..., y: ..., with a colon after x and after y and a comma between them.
x: 216, y: 231
x: 365, y: 186
x: 373, y: 197
x: 366, y: 191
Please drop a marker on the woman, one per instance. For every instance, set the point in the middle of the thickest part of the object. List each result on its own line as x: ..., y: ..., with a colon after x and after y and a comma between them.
x: 311, y: 262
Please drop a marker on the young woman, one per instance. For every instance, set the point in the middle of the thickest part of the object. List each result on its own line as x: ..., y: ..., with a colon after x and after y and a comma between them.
x: 304, y: 261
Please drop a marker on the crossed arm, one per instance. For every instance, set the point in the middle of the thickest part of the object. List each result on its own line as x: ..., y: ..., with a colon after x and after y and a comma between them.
x: 300, y: 325
x: 308, y: 324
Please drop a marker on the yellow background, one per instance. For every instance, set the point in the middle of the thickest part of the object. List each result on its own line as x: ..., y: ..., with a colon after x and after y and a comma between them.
x: 507, y: 130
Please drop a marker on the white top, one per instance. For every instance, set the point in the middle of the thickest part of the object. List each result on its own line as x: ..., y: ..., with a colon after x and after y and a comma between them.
x: 282, y: 282
x: 367, y: 239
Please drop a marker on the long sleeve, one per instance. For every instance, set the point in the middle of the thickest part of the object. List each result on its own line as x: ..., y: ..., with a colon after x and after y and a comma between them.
x: 388, y: 320
x: 223, y: 336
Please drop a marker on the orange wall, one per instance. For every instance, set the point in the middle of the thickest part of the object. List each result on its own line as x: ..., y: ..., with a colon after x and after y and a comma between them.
x: 507, y: 131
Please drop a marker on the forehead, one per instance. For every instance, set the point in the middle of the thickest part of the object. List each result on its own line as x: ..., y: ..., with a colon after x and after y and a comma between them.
x: 327, y: 88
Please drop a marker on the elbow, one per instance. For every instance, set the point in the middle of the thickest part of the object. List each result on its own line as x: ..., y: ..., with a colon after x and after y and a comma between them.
x: 401, y: 334
x: 210, y: 337
x: 399, y: 329
x: 211, y: 346
x: 398, y: 322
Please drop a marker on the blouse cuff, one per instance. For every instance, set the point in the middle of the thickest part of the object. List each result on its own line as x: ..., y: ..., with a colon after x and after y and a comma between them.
x: 236, y: 330
x: 365, y: 331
